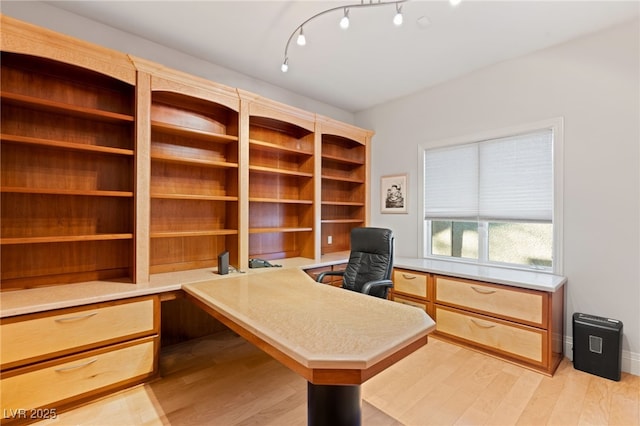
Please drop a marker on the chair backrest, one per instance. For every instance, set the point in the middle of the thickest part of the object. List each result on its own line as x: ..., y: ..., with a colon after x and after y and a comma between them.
x: 371, y: 259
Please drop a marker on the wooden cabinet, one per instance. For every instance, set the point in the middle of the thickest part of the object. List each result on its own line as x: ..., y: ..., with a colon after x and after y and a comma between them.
x: 334, y: 280
x: 413, y: 288
x: 345, y: 177
x: 281, y: 181
x: 77, y: 352
x: 521, y: 325
x: 194, y: 176
x: 67, y: 173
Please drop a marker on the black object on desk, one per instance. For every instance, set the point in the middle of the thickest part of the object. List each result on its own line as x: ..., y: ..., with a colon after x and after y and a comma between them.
x: 223, y: 263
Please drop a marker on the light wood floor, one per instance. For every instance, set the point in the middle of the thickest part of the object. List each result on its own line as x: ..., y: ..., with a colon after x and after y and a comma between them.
x: 223, y: 380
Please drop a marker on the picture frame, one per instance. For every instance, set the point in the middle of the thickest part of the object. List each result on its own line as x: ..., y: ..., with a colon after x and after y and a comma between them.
x: 394, y: 194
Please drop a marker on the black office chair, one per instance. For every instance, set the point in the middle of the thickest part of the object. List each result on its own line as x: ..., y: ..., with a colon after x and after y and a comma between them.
x: 370, y: 262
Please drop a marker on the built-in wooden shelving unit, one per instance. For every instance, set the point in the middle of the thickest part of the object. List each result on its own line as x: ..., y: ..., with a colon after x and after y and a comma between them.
x: 117, y: 168
x: 344, y: 183
x: 67, y: 177
x: 194, y: 181
x: 281, y: 183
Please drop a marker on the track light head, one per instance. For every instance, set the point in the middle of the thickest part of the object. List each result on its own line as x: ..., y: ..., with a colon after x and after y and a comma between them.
x: 301, y: 40
x: 397, y: 20
x: 344, y: 22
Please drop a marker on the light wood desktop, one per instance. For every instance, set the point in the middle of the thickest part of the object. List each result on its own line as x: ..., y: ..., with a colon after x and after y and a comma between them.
x: 336, y: 339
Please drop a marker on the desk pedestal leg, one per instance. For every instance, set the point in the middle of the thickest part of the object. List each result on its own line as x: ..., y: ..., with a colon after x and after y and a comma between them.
x: 333, y: 405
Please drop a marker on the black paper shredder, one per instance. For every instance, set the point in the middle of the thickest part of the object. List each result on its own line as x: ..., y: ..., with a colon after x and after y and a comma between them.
x: 597, y: 345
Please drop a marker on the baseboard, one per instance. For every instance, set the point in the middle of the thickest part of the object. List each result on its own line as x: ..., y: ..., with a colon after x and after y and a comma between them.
x: 630, y: 362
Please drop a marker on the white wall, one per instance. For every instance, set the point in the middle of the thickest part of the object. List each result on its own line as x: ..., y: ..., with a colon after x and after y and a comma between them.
x: 594, y: 83
x: 63, y: 22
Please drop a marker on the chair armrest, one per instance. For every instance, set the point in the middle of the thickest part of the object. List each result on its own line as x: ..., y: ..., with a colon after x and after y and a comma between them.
x: 321, y: 276
x: 366, y: 289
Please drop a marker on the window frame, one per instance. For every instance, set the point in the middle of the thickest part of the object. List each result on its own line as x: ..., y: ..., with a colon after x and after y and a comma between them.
x: 556, y: 125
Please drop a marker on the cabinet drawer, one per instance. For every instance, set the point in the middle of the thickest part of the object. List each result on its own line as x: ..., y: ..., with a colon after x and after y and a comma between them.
x: 410, y: 283
x: 69, y: 329
x: 406, y: 301
x: 72, y: 376
x: 523, y: 305
x: 497, y: 335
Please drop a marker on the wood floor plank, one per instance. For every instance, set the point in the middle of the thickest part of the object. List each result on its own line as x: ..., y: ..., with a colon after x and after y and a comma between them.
x: 488, y: 402
x: 569, y: 405
x: 514, y: 403
x: 222, y: 380
x: 597, y: 403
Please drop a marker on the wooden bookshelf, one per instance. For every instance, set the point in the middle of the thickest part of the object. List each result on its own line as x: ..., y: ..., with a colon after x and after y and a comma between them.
x: 115, y: 168
x: 281, y: 182
x: 345, y: 175
x: 67, y: 179
x: 194, y: 179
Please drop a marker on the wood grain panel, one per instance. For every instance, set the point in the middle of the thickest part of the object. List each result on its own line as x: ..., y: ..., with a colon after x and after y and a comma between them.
x: 67, y: 330
x: 32, y: 265
x: 187, y: 215
x: 67, y: 378
x: 181, y: 253
x: 40, y: 167
x: 40, y: 215
x: 520, y: 304
x: 57, y: 126
x: 192, y: 113
x: 267, y: 185
x: 337, y: 147
x: 63, y: 83
x: 280, y: 215
x: 280, y: 245
x: 340, y: 234
x: 342, y: 191
x: 525, y: 343
x: 410, y: 283
x: 411, y: 302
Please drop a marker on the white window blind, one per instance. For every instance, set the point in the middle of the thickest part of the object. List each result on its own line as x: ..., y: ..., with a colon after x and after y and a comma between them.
x: 506, y: 179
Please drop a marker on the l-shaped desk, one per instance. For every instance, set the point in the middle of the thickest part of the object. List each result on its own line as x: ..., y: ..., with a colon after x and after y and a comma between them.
x: 334, y: 338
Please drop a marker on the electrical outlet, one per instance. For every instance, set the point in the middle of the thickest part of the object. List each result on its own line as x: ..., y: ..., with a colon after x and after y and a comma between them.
x: 329, y: 239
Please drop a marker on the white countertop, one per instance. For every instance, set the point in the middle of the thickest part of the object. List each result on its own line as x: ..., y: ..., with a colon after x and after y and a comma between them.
x: 20, y: 302
x: 41, y: 299
x: 317, y: 325
x: 513, y: 277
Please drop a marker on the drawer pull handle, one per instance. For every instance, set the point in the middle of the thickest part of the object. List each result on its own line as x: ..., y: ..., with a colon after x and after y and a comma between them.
x: 477, y: 324
x: 76, y: 318
x: 75, y: 367
x: 409, y: 277
x: 482, y: 291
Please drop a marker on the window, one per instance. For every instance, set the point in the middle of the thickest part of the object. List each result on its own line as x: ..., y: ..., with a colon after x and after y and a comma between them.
x: 493, y: 200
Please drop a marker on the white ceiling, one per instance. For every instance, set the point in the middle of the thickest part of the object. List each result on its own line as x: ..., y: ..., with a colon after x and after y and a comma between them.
x: 370, y: 63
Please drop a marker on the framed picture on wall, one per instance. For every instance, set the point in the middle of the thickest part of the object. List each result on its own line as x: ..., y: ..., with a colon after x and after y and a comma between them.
x: 393, y: 194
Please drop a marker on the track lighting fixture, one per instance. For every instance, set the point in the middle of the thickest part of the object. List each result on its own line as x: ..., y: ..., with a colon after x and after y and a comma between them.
x: 398, y: 19
x: 344, y: 22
